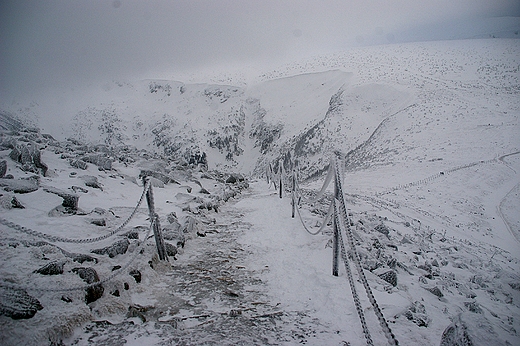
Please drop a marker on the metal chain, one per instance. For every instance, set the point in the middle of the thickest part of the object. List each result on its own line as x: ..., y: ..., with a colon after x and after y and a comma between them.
x: 320, y: 194
x: 343, y: 218
x: 352, y: 283
x: 323, y: 225
x: 77, y: 241
x: 87, y: 286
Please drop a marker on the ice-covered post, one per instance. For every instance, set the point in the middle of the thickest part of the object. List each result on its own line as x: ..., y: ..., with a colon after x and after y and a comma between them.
x: 336, y: 229
x: 293, y: 192
x: 154, y: 218
x: 280, y: 166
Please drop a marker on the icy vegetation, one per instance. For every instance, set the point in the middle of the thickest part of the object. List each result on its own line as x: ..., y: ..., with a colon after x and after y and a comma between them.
x: 428, y: 136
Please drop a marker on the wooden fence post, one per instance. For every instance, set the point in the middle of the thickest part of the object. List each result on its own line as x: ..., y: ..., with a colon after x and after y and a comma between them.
x: 154, y: 217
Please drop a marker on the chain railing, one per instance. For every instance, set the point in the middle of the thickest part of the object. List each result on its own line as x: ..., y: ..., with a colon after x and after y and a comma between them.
x: 154, y: 226
x: 54, y: 238
x: 341, y: 224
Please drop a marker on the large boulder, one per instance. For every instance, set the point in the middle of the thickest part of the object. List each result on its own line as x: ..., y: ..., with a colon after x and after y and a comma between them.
x: 100, y: 160
x: 91, y: 181
x: 29, y: 156
x: 20, y: 185
x: 456, y: 334
x: 90, y: 276
x: 53, y: 268
x: 70, y: 200
x: 18, y: 304
x: 118, y: 248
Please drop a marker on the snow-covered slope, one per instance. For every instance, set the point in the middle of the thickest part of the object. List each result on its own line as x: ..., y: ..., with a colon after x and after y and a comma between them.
x: 430, y: 139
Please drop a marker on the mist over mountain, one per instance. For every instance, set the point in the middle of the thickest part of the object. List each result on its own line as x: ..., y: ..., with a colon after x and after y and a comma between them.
x: 408, y: 102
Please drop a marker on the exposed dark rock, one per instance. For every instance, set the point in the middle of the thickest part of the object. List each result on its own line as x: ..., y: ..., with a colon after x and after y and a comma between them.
x: 18, y: 304
x: 99, y: 222
x: 91, y: 181
x: 79, y: 188
x: 19, y: 185
x: 70, y: 200
x: 135, y: 312
x: 435, y: 290
x: 66, y: 299
x: 117, y: 267
x: 3, y: 168
x: 10, y: 202
x: 80, y: 258
x: 136, y: 274
x: 126, y: 286
x: 79, y: 164
x: 456, y: 334
x: 53, y: 268
x: 389, y: 276
x: 172, y: 218
x: 100, y: 160
x: 478, y: 280
x: 171, y: 250
x: 89, y: 275
x: 132, y: 234
x: 392, y: 263
x: 115, y: 293
x: 381, y: 228
x: 417, y: 314
x: 515, y: 285
x: 473, y: 307
x: 231, y: 180
x: 118, y: 248
x: 30, y: 157
x: 204, y: 191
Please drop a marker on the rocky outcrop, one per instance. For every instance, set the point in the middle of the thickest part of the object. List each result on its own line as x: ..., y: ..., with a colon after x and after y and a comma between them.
x: 456, y: 334
x: 53, y: 268
x: 18, y: 304
x: 101, y: 161
x: 20, y: 185
x: 29, y: 157
x: 91, y: 181
x: 70, y: 200
x: 118, y: 248
x: 90, y: 276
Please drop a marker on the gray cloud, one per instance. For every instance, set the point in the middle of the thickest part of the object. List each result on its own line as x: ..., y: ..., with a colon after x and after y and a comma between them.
x: 49, y: 44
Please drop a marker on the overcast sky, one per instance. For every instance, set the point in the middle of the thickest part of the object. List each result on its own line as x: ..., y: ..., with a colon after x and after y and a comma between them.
x: 49, y: 44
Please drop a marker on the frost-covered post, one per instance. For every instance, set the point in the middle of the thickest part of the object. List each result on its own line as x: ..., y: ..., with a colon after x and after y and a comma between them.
x: 293, y: 192
x: 336, y: 229
x: 280, y: 169
x: 154, y: 218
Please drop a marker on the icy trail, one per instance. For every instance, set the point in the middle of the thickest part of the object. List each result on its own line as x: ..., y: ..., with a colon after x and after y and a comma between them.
x: 258, y: 278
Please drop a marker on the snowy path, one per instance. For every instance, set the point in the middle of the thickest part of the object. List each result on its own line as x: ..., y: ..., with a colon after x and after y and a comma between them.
x: 257, y: 279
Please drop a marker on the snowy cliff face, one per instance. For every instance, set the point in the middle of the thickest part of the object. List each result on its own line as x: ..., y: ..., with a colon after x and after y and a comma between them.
x: 379, y: 106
